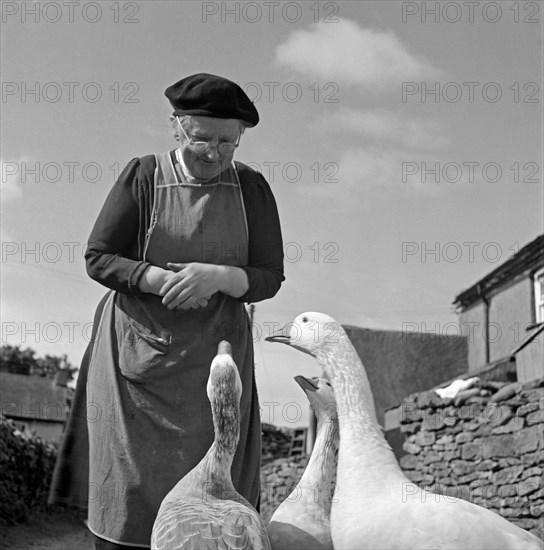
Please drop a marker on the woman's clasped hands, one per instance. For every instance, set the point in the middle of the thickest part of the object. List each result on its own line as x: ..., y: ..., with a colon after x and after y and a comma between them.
x: 189, y: 285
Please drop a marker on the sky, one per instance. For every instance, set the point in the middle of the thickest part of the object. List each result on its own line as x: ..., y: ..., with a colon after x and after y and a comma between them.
x: 402, y: 141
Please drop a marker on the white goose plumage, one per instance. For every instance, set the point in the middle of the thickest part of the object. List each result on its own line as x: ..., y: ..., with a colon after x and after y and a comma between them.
x: 204, y: 511
x: 377, y: 506
x: 302, y: 520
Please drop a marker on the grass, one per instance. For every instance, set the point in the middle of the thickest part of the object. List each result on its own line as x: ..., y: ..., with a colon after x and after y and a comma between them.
x: 57, y: 529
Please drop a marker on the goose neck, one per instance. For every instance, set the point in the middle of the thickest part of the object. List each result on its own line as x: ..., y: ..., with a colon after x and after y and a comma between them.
x: 323, y: 461
x: 352, y: 391
x: 325, y: 447
x: 226, y: 422
x: 317, y: 484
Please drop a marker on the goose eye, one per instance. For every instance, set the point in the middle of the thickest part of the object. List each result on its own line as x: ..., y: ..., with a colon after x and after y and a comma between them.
x: 305, y: 319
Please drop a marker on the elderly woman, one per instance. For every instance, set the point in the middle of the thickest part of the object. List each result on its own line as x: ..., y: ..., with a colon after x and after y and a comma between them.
x: 183, y: 240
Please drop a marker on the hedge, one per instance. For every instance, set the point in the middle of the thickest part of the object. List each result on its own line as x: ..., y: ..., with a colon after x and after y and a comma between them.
x: 26, y: 463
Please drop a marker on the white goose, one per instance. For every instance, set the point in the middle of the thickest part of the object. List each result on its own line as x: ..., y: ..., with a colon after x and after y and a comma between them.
x: 302, y: 520
x: 376, y: 506
x: 204, y: 511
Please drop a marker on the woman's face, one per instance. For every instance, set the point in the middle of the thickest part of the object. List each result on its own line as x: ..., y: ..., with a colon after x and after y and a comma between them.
x: 208, y: 165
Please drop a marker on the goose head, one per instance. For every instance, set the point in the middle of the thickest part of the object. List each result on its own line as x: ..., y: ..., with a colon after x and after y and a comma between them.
x: 320, y: 395
x: 322, y: 337
x: 224, y: 384
x: 311, y: 332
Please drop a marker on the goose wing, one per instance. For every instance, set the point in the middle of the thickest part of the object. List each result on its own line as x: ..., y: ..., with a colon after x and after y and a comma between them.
x: 196, y: 525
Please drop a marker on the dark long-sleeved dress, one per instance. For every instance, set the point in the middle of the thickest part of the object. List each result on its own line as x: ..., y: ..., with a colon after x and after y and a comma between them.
x: 140, y: 410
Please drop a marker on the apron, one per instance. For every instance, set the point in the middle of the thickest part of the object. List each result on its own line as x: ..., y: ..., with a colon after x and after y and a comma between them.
x: 148, y: 414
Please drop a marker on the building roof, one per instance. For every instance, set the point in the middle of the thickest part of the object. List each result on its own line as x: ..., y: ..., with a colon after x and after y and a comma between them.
x: 32, y: 397
x: 528, y: 258
x: 399, y: 363
x: 529, y: 338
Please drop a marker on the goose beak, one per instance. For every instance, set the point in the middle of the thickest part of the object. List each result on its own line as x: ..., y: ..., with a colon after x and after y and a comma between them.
x: 281, y: 336
x: 306, y: 384
x: 224, y: 348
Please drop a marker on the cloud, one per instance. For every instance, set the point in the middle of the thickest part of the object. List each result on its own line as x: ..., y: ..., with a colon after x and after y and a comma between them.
x: 10, y: 182
x: 371, y: 167
x: 362, y: 171
x: 351, y: 55
x: 378, y: 172
x: 382, y: 125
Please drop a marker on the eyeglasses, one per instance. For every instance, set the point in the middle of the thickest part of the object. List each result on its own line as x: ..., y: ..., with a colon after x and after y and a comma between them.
x: 201, y: 146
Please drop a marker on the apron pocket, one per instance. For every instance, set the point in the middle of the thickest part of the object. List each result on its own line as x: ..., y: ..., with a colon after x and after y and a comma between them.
x: 141, y: 353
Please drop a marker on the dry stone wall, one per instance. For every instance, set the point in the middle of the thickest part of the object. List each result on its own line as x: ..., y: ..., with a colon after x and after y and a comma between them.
x: 276, y: 441
x: 279, y: 472
x: 278, y: 479
x: 485, y: 446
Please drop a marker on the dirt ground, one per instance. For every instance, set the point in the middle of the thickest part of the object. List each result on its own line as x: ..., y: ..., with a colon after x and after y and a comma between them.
x: 57, y: 530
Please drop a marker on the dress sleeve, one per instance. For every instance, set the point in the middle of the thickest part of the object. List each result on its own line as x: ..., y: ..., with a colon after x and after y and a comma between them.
x: 265, y: 251
x: 114, y: 251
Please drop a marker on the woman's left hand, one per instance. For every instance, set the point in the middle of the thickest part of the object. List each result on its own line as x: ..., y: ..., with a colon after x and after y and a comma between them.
x: 192, y: 285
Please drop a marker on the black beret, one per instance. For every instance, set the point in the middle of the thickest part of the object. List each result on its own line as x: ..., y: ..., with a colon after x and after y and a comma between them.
x: 210, y: 95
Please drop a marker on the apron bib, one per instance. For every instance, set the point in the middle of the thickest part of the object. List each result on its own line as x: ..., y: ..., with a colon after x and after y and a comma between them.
x: 149, y: 416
